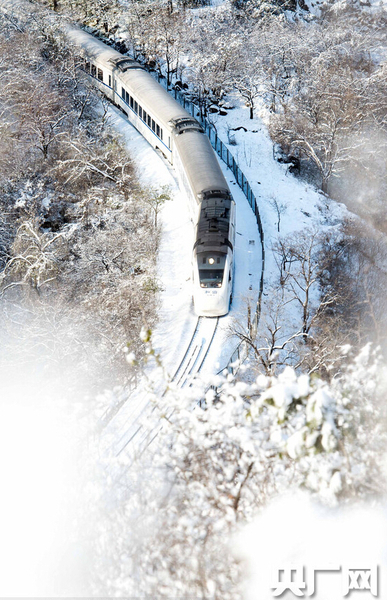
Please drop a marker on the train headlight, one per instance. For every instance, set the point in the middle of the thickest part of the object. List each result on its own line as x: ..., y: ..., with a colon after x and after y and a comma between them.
x: 211, y: 261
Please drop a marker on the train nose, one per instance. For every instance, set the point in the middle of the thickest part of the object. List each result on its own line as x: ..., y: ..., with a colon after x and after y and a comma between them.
x: 211, y: 303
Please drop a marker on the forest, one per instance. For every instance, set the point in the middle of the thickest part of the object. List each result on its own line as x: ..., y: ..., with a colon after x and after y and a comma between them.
x: 70, y: 203
x: 79, y: 240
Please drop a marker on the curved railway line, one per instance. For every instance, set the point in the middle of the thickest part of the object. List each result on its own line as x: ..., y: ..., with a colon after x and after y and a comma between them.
x: 197, y: 350
x: 191, y: 364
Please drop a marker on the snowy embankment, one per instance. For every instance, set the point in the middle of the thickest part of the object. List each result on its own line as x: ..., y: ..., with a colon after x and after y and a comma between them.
x: 288, y: 205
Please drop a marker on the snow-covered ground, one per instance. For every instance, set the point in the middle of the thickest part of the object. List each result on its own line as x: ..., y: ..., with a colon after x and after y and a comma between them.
x: 301, y: 205
x: 288, y: 205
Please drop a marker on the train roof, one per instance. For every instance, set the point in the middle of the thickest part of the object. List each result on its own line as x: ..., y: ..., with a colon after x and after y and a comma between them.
x: 93, y: 47
x: 145, y: 88
x: 200, y: 163
x: 150, y: 93
x: 213, y: 225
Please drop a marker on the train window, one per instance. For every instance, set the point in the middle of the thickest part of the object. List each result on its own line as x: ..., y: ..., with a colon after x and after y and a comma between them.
x: 144, y: 116
x: 153, y: 125
x: 140, y: 111
x: 123, y: 93
x: 87, y: 66
x: 127, y: 98
x: 149, y: 121
x: 100, y: 74
x: 135, y: 107
x: 157, y: 130
x: 211, y: 278
x: 115, y: 85
x: 169, y: 142
x: 210, y: 272
x: 161, y: 134
x: 93, y: 71
x: 110, y: 81
x: 131, y: 102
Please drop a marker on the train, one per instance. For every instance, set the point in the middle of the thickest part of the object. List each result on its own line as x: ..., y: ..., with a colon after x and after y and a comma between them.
x: 169, y: 128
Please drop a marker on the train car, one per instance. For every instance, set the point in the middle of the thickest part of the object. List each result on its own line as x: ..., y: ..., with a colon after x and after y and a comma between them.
x: 147, y: 105
x: 213, y: 266
x: 213, y: 253
x: 171, y: 129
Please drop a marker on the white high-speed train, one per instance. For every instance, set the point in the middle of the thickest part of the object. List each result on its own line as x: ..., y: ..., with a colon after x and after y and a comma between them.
x: 171, y: 129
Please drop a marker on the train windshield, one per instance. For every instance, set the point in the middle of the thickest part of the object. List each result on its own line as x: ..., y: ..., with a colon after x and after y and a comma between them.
x: 211, y: 269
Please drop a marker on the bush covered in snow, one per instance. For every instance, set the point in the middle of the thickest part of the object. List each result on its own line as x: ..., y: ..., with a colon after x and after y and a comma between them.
x: 213, y: 468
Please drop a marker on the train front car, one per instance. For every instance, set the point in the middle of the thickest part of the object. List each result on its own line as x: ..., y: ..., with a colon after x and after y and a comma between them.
x: 213, y: 254
x: 202, y: 177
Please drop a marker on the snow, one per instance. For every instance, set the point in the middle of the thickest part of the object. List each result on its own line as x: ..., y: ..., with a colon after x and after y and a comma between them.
x: 302, y: 205
x: 272, y: 538
x: 297, y: 531
x: 41, y: 493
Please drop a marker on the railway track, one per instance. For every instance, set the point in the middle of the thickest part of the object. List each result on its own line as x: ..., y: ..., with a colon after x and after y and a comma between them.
x: 197, y: 350
x: 190, y: 365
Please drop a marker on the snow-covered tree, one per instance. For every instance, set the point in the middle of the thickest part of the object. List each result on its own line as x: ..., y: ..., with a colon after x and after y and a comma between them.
x: 210, y: 469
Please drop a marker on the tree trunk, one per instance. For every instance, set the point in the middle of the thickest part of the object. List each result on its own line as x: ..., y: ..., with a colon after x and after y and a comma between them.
x: 168, y: 73
x: 273, y: 103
